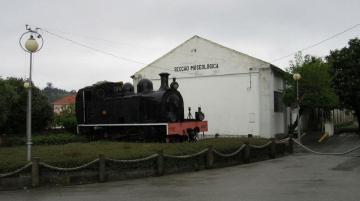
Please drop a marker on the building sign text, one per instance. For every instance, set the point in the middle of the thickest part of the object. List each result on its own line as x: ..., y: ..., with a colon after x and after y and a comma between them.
x: 196, y: 67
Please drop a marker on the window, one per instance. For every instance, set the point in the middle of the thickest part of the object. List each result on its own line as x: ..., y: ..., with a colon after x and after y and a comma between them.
x: 278, y: 103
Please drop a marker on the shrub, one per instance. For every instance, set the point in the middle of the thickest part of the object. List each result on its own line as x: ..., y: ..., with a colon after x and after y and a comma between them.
x: 8, y: 141
x: 54, y: 139
x: 69, y: 123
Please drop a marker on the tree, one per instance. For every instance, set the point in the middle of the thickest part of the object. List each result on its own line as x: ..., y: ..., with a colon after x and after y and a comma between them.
x: 315, y: 91
x: 13, y: 104
x: 345, y: 68
x: 49, y: 85
x: 53, y: 93
x: 7, y: 98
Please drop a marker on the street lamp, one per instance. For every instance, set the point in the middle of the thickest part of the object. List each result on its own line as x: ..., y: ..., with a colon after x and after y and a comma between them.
x: 31, y: 46
x: 297, y: 77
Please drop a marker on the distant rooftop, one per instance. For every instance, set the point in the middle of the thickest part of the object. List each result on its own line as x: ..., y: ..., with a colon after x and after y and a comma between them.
x: 66, y: 100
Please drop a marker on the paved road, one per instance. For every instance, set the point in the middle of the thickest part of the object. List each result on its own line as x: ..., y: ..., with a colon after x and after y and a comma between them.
x: 302, y: 176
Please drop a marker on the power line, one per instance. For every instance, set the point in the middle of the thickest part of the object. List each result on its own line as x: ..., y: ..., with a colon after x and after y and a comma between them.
x: 192, y: 73
x: 92, y: 48
x: 111, y: 41
x: 122, y: 58
x: 104, y: 52
x: 97, y: 38
x: 316, y: 44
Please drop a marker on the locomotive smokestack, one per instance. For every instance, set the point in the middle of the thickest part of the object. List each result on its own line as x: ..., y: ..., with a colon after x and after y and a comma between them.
x: 164, y: 81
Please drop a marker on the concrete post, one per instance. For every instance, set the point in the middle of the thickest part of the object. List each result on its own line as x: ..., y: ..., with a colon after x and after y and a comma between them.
x: 160, y: 163
x: 246, y: 153
x: 210, y: 157
x: 272, y: 149
x: 102, y: 168
x: 35, y: 172
x: 291, y: 144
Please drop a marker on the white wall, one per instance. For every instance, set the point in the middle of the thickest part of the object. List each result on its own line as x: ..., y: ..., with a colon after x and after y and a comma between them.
x: 229, y: 104
x: 271, y: 122
x: 266, y: 103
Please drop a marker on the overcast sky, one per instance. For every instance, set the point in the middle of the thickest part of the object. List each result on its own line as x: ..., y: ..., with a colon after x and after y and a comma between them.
x: 144, y: 30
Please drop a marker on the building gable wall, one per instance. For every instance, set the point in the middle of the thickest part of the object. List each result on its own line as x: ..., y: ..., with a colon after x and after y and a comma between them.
x: 200, y: 57
x: 234, y: 90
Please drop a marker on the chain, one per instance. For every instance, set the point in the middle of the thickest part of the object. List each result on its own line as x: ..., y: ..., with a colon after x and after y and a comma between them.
x: 134, y: 160
x: 169, y: 156
x: 321, y: 153
x: 16, y: 171
x: 261, y: 146
x: 231, y: 154
x: 68, y: 169
x: 187, y: 156
x: 283, y: 141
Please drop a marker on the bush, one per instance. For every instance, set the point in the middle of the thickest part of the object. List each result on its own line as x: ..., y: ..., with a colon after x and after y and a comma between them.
x: 54, y: 139
x: 69, y: 123
x: 7, y: 141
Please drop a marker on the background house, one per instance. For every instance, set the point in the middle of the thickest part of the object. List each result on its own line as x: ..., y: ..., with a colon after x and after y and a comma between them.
x: 64, y: 102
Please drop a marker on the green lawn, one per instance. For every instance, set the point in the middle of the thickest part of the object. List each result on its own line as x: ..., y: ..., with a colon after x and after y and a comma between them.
x: 73, y: 154
x: 351, y: 124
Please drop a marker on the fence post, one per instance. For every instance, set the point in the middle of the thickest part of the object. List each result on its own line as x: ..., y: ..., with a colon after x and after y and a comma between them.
x: 272, y: 153
x: 35, y: 172
x: 102, y: 168
x: 160, y: 163
x: 291, y: 144
x: 246, y: 153
x: 210, y: 157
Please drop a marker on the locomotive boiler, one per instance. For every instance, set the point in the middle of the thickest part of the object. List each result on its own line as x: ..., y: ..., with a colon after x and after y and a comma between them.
x: 114, y: 110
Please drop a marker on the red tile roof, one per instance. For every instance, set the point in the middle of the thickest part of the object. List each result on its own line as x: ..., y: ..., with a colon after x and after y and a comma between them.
x: 66, y: 100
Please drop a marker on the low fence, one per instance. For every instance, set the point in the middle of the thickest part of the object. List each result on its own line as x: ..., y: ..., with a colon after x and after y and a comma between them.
x: 102, y: 169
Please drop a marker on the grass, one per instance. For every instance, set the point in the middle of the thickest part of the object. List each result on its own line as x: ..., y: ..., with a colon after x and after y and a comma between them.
x: 44, y: 139
x: 74, y: 154
x: 346, y: 127
x: 351, y: 124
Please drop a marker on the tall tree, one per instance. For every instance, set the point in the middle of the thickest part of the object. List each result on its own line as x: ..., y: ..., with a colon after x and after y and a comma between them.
x: 7, y: 98
x: 315, y: 91
x: 53, y: 93
x: 13, y: 103
x: 345, y: 68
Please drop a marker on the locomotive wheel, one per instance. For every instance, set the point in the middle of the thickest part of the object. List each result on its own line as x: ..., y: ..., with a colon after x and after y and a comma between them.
x: 192, y: 134
x: 177, y: 138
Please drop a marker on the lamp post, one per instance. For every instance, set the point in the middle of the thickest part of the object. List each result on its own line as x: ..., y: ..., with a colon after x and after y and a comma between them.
x: 297, y: 77
x: 31, y: 46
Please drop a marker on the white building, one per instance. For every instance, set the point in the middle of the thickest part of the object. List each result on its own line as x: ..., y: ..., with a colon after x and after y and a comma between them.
x: 239, y: 94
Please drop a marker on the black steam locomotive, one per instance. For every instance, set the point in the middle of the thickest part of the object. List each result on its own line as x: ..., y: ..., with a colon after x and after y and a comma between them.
x: 113, y: 110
